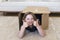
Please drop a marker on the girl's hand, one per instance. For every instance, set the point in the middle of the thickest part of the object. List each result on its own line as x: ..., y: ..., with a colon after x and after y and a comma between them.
x: 36, y: 23
x: 25, y: 24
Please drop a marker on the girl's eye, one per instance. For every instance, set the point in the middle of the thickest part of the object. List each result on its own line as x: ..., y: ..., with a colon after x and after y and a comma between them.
x: 27, y: 18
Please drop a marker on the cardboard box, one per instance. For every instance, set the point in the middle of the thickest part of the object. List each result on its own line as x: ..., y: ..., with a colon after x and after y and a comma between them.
x: 37, y: 10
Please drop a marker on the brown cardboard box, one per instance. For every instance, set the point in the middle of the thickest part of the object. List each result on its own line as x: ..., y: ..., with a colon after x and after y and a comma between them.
x: 38, y: 10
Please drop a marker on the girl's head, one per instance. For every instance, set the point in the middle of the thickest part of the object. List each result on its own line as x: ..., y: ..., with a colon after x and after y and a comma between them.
x: 29, y: 18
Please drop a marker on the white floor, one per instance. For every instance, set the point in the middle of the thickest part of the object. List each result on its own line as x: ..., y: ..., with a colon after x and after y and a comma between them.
x: 9, y: 27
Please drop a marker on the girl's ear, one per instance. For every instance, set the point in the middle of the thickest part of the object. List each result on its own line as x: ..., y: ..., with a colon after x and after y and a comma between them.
x: 25, y: 20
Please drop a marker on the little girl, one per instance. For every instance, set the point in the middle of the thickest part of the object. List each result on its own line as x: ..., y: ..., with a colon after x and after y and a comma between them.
x: 30, y: 23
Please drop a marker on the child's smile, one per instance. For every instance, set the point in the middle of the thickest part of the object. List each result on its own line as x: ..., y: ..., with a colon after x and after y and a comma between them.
x: 29, y: 19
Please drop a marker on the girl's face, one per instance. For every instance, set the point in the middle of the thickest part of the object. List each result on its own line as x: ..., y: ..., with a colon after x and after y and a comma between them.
x: 29, y: 19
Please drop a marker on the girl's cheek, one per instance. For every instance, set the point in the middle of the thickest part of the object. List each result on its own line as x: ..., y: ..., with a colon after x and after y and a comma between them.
x: 25, y: 20
x: 32, y: 20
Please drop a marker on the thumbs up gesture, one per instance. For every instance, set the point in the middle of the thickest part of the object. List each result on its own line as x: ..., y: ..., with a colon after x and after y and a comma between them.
x: 36, y: 23
x: 25, y: 24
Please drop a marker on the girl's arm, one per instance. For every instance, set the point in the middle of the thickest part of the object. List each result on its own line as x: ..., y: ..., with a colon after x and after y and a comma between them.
x: 21, y: 32
x: 40, y: 30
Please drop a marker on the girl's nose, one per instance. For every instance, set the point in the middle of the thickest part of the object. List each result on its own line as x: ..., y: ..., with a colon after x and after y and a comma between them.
x: 30, y: 20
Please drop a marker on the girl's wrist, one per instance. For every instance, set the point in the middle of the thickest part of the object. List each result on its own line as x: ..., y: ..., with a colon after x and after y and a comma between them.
x: 38, y: 25
x: 23, y: 27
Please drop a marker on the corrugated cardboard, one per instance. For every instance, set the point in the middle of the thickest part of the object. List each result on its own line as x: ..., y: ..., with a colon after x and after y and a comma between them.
x: 39, y: 10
